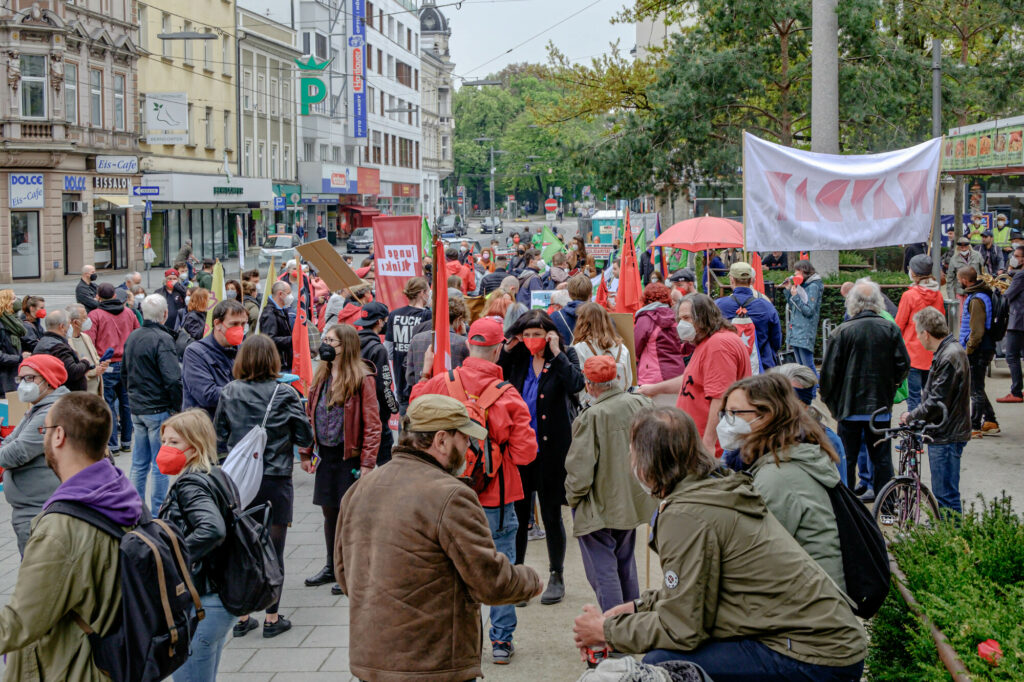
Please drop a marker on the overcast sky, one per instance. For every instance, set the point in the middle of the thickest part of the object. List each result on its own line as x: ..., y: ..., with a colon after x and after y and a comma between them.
x: 483, y: 30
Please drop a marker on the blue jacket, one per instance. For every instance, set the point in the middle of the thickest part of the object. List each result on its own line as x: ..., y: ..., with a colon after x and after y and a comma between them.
x: 205, y: 370
x: 803, y: 317
x: 765, y: 318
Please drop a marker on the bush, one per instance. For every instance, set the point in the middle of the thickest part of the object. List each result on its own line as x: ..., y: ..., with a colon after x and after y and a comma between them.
x: 968, y: 577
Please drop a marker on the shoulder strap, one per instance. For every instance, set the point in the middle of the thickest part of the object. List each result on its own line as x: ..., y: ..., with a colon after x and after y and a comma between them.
x: 592, y: 351
x: 453, y: 382
x: 491, y: 394
x: 270, y: 406
x: 618, y: 353
x: 91, y: 516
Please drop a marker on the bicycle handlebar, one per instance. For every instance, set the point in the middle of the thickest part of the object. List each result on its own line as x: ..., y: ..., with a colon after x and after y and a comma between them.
x: 917, y: 426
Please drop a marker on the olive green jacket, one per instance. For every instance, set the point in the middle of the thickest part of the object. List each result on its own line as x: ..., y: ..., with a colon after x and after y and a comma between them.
x: 732, y: 570
x: 599, y: 482
x: 69, y: 566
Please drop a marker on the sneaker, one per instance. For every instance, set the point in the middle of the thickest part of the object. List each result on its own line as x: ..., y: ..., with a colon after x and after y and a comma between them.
x: 113, y: 451
x: 522, y: 604
x: 976, y: 433
x: 867, y: 496
x: 1010, y: 398
x: 325, y: 576
x: 536, y: 533
x: 990, y: 428
x: 860, y: 490
x: 244, y: 627
x: 555, y: 590
x: 336, y: 590
x: 501, y: 653
x: 280, y: 626
x: 126, y: 447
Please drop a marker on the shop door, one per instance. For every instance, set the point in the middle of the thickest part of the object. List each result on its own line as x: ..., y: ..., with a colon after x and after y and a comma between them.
x: 120, y: 242
x: 74, y: 247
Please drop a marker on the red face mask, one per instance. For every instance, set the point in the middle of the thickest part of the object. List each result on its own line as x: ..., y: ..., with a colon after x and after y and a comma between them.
x: 234, y: 335
x: 170, y: 461
x: 41, y: 313
x: 535, y: 346
x: 798, y: 278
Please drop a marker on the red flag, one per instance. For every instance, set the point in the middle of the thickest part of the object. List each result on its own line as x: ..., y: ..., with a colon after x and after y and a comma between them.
x: 755, y: 262
x: 628, y: 297
x: 602, y: 294
x: 302, y: 365
x: 442, y: 341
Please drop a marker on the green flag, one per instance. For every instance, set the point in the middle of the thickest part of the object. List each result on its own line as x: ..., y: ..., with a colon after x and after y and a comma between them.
x: 640, y: 241
x: 426, y: 239
x: 549, y: 244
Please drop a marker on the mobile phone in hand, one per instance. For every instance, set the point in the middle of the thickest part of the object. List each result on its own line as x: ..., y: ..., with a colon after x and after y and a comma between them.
x: 107, y: 354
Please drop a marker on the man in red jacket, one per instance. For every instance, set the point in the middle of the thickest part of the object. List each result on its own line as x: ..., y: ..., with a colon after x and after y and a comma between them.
x: 465, y: 272
x: 110, y: 325
x: 509, y: 432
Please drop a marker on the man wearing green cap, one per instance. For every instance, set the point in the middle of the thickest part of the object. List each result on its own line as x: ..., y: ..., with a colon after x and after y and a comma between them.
x: 415, y: 556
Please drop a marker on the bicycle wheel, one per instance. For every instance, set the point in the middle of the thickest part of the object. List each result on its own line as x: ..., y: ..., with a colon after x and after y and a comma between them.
x: 900, y: 505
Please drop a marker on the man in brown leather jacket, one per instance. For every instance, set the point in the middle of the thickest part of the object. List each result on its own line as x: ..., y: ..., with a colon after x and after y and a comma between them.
x: 415, y: 556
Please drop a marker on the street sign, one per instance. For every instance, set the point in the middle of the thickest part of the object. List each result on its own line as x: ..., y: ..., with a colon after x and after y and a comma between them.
x: 551, y: 205
x: 511, y: 198
x: 149, y: 210
x: 558, y: 191
x: 279, y: 203
x: 294, y: 198
x: 586, y: 190
x: 145, y: 191
x: 461, y: 201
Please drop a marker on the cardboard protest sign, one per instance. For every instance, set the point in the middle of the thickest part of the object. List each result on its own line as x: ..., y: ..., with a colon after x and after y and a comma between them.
x: 331, y: 267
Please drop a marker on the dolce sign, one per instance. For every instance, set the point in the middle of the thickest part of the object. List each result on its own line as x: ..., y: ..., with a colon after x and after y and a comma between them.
x: 26, y: 190
x: 127, y: 165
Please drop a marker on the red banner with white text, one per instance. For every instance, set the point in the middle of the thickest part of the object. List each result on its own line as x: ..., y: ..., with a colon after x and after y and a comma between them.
x: 399, y: 256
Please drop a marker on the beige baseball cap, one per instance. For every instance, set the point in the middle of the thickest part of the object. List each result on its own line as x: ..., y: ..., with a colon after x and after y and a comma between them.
x: 433, y: 412
x: 741, y: 270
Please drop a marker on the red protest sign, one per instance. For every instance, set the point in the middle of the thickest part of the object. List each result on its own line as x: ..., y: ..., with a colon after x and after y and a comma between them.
x: 399, y: 256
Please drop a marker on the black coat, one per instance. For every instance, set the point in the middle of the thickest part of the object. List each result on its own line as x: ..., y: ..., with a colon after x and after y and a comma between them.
x: 85, y: 293
x: 195, y: 324
x: 372, y: 350
x: 10, y: 358
x: 175, y: 302
x: 58, y: 346
x: 275, y: 324
x: 949, y: 379
x: 557, y: 406
x: 33, y: 332
x: 492, y: 281
x: 1014, y: 296
x: 865, y: 363
x: 151, y: 371
x: 242, y: 406
x: 192, y: 505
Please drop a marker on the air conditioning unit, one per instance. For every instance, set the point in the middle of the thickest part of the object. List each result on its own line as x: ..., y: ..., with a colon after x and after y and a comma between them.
x: 78, y: 207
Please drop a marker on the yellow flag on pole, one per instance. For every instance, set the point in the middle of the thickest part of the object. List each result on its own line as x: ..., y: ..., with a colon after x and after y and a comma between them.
x: 271, y: 277
x: 217, y: 294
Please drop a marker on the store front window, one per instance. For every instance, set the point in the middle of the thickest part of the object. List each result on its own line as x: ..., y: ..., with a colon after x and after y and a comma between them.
x: 24, y: 244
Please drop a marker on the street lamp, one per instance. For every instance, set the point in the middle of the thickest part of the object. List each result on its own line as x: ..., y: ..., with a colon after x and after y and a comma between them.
x: 493, y: 152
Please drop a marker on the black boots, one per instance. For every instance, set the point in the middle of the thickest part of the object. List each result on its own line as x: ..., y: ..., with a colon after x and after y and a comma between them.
x: 555, y: 590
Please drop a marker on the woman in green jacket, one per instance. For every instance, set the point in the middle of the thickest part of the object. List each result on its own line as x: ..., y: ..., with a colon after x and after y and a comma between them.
x: 791, y: 459
x: 740, y: 597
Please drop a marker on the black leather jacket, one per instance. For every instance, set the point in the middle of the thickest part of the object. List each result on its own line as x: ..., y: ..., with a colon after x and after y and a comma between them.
x: 242, y: 406
x: 192, y: 505
x: 948, y: 380
x: 865, y: 363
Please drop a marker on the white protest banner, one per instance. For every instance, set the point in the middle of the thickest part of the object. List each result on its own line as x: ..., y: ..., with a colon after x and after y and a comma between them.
x: 805, y: 201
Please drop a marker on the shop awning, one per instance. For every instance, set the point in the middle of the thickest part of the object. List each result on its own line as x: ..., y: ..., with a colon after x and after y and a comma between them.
x: 365, y: 210
x: 119, y: 200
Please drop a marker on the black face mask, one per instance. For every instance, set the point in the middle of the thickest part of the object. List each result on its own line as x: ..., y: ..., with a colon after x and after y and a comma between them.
x: 92, y: 277
x: 327, y: 352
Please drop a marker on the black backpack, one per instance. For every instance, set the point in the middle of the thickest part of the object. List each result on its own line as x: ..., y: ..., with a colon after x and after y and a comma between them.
x: 245, y: 568
x: 1000, y: 316
x: 160, y: 607
x: 865, y: 558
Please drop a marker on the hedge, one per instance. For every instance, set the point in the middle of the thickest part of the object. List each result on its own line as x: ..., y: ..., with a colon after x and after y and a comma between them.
x: 968, y: 577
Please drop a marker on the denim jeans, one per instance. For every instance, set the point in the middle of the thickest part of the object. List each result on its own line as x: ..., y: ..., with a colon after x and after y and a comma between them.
x: 147, y: 444
x: 864, y: 466
x: 503, y: 618
x: 1014, y: 350
x: 740, y: 660
x: 915, y: 382
x: 805, y: 357
x: 116, y: 394
x: 207, y: 643
x: 944, y: 463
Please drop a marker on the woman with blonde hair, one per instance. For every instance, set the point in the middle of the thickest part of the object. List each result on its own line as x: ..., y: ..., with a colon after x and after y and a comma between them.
x: 193, y: 504
x: 11, y: 331
x: 596, y: 335
x: 195, y: 319
x: 345, y: 415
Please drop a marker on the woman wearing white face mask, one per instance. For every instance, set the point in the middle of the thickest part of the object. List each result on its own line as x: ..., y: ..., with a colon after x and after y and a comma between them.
x: 720, y: 359
x: 792, y: 462
x: 85, y: 348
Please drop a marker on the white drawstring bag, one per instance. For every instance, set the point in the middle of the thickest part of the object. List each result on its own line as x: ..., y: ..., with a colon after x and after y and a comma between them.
x: 244, y: 464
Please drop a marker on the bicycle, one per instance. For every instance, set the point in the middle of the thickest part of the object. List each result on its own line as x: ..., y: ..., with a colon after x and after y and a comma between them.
x: 905, y: 501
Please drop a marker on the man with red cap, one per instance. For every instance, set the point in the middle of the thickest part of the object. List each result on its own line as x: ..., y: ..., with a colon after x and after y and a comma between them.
x: 608, y: 502
x: 28, y: 481
x: 512, y: 441
x: 174, y: 291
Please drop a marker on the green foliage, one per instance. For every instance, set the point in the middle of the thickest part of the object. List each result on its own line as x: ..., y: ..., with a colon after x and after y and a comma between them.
x: 852, y: 258
x: 968, y: 577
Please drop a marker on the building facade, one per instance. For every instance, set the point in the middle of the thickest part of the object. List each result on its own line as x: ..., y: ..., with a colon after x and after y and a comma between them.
x: 69, y: 153
x: 436, y: 98
x: 189, y: 125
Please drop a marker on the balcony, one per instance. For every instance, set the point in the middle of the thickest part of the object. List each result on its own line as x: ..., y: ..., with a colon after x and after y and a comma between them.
x: 44, y: 136
x: 37, y: 131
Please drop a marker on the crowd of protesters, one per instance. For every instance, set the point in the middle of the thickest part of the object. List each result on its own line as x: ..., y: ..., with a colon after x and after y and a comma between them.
x: 696, y: 416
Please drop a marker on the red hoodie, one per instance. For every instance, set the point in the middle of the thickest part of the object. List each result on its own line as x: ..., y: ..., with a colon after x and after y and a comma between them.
x: 467, y: 274
x: 914, y: 300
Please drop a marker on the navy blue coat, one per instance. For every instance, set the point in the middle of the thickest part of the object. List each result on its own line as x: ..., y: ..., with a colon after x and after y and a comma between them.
x: 205, y: 370
x: 765, y: 318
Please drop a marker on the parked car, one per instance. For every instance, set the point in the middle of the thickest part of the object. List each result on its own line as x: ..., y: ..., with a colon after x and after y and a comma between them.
x: 361, y: 240
x: 457, y: 243
x: 280, y: 247
x: 491, y: 225
x: 452, y: 225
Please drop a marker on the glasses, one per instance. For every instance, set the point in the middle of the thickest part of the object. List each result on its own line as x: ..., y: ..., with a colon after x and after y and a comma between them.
x: 729, y: 416
x: 42, y: 429
x: 33, y: 379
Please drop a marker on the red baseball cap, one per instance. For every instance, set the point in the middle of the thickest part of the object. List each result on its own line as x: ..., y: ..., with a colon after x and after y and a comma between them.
x: 599, y: 369
x: 486, y: 332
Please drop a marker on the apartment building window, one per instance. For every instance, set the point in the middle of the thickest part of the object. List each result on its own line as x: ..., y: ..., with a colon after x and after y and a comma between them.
x: 321, y: 46
x: 261, y: 93
x: 274, y: 96
x: 307, y: 151
x: 33, y: 85
x: 273, y: 161
x: 323, y: 152
x: 380, y: 20
x: 227, y: 130
x: 403, y: 74
x: 143, y: 28
x: 369, y: 58
x: 376, y: 147
x: 416, y: 79
x: 286, y: 97
x: 394, y: 145
x: 391, y: 67
x: 391, y: 28
x: 306, y: 45
x: 209, y: 128
x: 380, y: 62
x: 369, y: 14
x: 165, y: 27
x: 444, y: 147
x: 371, y: 104
x: 408, y: 39
x: 410, y: 114
x: 247, y: 159
x: 95, y: 97
x: 387, y: 140
x: 191, y: 127
x: 260, y: 150
x: 444, y: 109
x: 336, y: 154
x: 286, y: 158
x: 416, y: 156
x: 208, y: 53
x: 118, y: 102
x: 187, y: 27
x: 382, y: 107
x: 71, y: 93
x: 247, y: 90
x: 226, y: 62
x: 399, y: 32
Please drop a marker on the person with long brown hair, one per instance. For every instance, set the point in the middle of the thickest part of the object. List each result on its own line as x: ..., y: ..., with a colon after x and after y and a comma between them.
x: 345, y: 415
x: 791, y: 459
x: 595, y: 334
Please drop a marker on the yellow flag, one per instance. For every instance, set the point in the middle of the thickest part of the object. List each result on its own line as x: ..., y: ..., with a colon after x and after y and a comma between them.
x: 217, y: 294
x: 271, y: 276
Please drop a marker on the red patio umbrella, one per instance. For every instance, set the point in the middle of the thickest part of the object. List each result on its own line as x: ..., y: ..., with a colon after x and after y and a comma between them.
x: 703, y: 234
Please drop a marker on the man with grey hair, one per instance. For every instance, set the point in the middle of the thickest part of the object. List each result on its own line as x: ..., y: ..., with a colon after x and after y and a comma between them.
x: 131, y: 280
x: 275, y: 322
x: 153, y: 378
x: 54, y: 341
x: 82, y: 344
x: 865, y: 362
